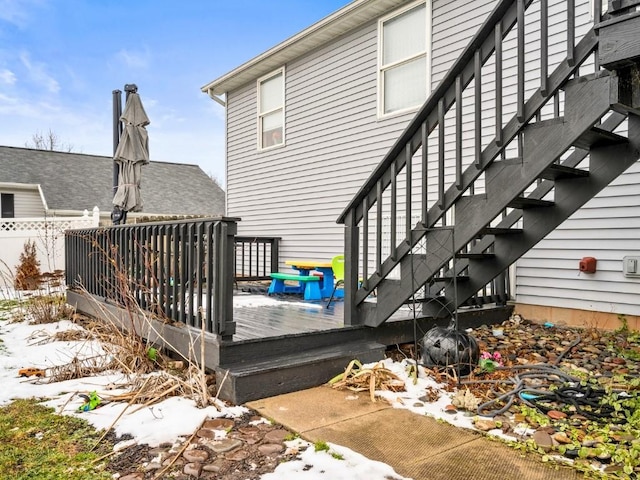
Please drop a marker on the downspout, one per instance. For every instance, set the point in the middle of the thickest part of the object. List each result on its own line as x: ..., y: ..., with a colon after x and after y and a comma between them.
x: 44, y: 200
x: 215, y: 98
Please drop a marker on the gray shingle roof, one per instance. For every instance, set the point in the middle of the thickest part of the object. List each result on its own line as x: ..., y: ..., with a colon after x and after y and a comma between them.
x: 72, y: 181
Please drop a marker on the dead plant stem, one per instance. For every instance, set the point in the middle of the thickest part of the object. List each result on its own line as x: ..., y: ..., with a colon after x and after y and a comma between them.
x: 121, y: 413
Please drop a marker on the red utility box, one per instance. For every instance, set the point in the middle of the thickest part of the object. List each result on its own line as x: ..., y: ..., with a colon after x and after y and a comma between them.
x: 588, y: 265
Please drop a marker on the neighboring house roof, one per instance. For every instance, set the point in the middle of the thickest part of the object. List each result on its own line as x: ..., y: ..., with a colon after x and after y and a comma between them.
x: 73, y: 181
x: 348, y: 18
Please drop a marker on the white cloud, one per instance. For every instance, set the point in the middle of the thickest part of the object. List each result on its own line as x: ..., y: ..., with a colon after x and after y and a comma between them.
x: 12, y: 12
x: 134, y: 59
x: 17, y: 12
x: 7, y: 77
x: 37, y: 72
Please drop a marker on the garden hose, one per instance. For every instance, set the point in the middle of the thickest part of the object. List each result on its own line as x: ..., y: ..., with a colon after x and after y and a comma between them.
x: 585, y: 400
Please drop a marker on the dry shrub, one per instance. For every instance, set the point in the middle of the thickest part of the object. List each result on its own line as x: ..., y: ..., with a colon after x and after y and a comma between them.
x: 120, y: 335
x: 360, y: 379
x: 76, y: 335
x: 129, y: 350
x: 48, y: 308
x: 150, y: 389
x: 28, y: 274
x: 81, y: 368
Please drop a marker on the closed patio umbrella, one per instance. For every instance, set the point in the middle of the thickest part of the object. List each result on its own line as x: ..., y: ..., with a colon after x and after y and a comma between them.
x: 132, y: 153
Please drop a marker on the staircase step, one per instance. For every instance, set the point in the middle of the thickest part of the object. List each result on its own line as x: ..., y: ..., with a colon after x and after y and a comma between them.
x: 556, y: 172
x: 523, y: 203
x: 499, y: 231
x: 448, y: 278
x: 472, y: 255
x: 269, y: 376
x: 597, y: 137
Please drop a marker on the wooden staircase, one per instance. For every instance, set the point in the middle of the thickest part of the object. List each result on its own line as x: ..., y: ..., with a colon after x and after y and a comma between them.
x: 465, y: 240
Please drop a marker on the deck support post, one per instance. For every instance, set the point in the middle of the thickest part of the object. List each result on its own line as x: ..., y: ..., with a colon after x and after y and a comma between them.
x: 352, y: 255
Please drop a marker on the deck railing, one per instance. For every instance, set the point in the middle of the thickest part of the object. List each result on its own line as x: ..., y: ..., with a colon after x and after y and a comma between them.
x: 182, y: 270
x: 256, y: 258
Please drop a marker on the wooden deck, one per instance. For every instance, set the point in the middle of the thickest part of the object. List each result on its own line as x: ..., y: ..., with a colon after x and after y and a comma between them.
x: 282, y: 343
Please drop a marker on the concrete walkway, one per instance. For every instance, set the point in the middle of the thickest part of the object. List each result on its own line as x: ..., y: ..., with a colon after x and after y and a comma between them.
x: 416, y: 446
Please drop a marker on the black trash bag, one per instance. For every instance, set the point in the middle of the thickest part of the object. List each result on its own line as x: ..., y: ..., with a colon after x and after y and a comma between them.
x: 446, y: 347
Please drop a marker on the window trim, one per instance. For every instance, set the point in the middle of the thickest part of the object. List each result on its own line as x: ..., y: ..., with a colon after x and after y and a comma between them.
x: 382, y: 68
x: 260, y: 114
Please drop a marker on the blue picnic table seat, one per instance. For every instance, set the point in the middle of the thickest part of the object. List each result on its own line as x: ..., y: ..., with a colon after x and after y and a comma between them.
x: 308, y: 285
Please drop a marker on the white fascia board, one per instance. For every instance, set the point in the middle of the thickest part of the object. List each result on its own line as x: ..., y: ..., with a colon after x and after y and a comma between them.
x: 348, y: 18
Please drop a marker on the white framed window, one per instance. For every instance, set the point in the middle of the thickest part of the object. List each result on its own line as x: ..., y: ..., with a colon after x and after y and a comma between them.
x: 403, y: 43
x: 271, y: 110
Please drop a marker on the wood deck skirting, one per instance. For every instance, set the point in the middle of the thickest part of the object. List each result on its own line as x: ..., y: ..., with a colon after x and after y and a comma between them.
x: 173, y: 336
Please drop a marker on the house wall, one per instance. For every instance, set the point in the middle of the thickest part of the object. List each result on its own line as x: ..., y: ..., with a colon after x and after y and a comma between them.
x: 27, y: 202
x: 334, y: 140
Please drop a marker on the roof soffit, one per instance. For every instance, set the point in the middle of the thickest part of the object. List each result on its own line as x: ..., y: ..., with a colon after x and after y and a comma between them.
x: 348, y: 18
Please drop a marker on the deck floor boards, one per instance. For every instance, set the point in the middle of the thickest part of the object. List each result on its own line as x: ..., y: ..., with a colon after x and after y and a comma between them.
x: 259, y: 316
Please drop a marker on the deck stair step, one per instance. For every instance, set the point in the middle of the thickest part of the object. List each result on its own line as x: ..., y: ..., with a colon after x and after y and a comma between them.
x: 523, y: 203
x: 597, y: 137
x: 499, y: 231
x: 556, y: 171
x: 475, y: 255
x: 297, y: 370
x: 449, y: 278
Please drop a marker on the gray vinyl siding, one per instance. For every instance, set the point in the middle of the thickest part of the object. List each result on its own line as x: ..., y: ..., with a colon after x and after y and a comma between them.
x: 333, y: 140
x: 26, y: 203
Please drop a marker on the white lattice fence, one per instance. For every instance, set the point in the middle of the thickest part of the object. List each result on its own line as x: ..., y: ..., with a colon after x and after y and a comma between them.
x: 48, y: 235
x: 42, y: 224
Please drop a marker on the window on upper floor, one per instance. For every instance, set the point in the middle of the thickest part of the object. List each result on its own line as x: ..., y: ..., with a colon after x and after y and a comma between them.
x: 7, y: 205
x: 402, y: 59
x: 271, y: 110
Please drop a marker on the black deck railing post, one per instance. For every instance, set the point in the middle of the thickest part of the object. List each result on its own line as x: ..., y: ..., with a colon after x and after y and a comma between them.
x: 352, y: 257
x: 275, y: 254
x: 225, y: 238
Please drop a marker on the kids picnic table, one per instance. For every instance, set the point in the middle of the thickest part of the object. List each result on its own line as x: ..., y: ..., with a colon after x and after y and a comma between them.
x: 312, y: 287
x: 305, y: 267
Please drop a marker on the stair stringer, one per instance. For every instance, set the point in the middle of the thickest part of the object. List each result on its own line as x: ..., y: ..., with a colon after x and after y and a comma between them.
x: 487, y: 241
x: 605, y: 165
x: 586, y: 101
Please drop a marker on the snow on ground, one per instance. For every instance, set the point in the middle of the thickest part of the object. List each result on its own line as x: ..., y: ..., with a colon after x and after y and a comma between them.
x: 247, y: 300
x: 22, y: 345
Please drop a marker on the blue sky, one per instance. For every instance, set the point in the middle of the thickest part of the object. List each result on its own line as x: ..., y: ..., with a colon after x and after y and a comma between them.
x: 61, y: 59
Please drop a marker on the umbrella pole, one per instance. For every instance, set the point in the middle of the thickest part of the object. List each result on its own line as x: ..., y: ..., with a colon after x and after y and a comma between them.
x: 117, y: 131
